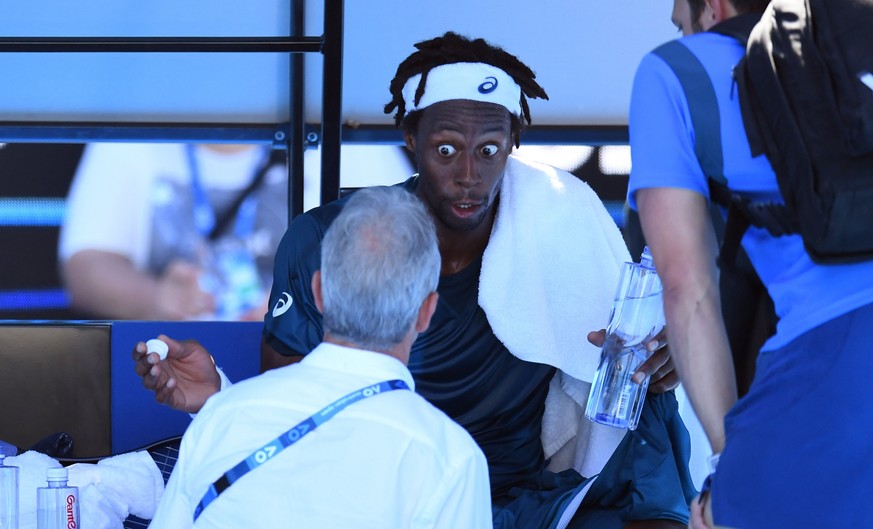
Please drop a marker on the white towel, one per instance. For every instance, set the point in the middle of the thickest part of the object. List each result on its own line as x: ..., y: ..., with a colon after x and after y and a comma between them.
x: 108, y: 491
x: 549, y: 275
x: 116, y: 487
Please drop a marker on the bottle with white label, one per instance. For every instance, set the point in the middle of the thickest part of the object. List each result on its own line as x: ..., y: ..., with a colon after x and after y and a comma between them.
x: 8, y: 494
x: 637, y: 316
x: 57, y: 505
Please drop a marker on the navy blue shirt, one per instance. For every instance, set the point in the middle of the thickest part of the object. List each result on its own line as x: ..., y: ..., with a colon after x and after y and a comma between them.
x: 458, y: 364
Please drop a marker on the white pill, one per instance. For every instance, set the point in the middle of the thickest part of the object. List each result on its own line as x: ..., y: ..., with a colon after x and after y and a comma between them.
x: 157, y: 346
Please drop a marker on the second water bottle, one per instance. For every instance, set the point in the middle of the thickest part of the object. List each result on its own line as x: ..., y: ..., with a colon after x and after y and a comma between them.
x: 637, y: 316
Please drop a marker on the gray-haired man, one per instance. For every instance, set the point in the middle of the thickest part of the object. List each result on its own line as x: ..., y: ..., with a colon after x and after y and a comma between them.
x: 376, y: 289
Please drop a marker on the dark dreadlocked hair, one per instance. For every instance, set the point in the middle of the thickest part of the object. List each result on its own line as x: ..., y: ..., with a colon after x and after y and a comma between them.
x: 452, y: 48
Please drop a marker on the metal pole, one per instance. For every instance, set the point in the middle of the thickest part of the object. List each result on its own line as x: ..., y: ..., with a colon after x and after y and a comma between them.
x: 159, y: 44
x: 331, y: 101
x: 296, y: 136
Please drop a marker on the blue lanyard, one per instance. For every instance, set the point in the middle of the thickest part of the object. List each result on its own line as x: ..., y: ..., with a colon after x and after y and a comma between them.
x: 269, y: 450
x: 204, y: 215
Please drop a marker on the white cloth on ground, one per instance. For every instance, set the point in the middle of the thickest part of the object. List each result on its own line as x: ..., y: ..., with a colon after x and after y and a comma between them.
x: 109, y: 490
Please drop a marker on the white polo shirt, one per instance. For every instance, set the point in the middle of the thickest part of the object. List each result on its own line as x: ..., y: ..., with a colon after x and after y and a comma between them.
x: 392, y: 460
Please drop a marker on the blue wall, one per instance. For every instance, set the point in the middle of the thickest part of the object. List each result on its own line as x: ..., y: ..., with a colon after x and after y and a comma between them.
x: 137, y: 419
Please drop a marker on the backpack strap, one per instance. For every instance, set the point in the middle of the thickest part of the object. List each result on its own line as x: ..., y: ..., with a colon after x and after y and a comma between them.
x: 773, y: 217
x: 274, y: 157
x: 706, y: 120
x: 702, y: 104
x: 730, y: 231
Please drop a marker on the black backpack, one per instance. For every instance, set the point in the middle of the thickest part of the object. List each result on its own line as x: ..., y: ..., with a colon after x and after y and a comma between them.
x: 806, y: 93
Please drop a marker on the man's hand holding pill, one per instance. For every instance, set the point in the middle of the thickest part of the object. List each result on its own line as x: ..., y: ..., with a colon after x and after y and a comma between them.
x: 182, y: 374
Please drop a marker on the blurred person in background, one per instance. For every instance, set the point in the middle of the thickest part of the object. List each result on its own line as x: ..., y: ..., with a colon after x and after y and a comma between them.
x: 173, y: 231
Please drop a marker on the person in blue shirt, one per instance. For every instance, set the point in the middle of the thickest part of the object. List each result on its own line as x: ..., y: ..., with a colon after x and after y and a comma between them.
x: 793, y: 451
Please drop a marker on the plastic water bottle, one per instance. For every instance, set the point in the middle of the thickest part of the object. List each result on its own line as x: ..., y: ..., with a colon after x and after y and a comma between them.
x: 8, y: 494
x: 57, y: 505
x: 637, y: 316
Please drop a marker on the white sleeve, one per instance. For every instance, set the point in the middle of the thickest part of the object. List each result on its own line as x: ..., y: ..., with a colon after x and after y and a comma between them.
x: 225, y: 383
x: 108, y: 205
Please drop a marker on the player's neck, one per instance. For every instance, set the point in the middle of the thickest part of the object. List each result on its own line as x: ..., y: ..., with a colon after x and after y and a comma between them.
x: 458, y: 249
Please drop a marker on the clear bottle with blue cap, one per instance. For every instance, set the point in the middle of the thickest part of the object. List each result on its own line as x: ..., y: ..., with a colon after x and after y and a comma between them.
x: 637, y: 316
x: 8, y: 494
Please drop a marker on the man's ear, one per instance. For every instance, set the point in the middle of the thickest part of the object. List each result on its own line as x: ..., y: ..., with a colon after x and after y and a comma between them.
x: 425, y: 312
x: 409, y: 140
x: 316, y: 291
x: 715, y: 11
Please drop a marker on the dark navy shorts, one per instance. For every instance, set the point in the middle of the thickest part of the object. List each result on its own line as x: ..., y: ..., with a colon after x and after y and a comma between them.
x: 647, y: 478
x: 799, y: 450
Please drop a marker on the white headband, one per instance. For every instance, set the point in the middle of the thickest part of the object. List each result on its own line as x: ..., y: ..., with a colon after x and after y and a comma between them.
x: 464, y: 80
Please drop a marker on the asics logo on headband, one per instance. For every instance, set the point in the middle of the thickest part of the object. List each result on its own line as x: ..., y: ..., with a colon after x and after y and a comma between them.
x: 488, y: 86
x: 473, y: 81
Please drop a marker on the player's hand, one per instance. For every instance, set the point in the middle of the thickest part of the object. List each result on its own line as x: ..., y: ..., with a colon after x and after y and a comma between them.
x: 659, y: 366
x: 184, y: 380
